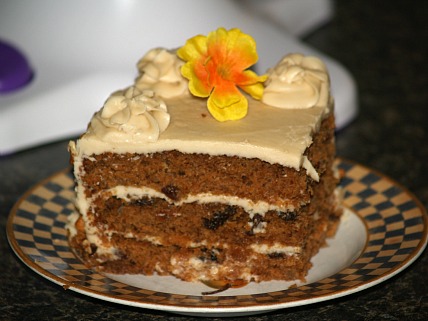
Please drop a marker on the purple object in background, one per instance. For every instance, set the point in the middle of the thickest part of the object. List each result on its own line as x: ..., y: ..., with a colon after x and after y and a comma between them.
x: 15, y: 71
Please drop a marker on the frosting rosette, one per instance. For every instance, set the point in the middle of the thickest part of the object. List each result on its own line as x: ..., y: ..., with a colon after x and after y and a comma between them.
x: 132, y: 115
x: 217, y: 67
x: 159, y: 70
x: 297, y: 81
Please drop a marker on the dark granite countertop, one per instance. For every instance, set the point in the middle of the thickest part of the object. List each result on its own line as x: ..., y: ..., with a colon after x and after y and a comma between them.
x: 384, y: 45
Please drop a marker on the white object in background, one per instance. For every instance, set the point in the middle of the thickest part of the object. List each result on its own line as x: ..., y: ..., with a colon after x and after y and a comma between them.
x: 296, y: 17
x: 82, y: 50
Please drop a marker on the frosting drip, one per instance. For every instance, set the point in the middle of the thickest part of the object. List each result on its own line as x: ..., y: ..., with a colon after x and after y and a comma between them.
x: 160, y: 71
x: 297, y: 81
x: 132, y: 115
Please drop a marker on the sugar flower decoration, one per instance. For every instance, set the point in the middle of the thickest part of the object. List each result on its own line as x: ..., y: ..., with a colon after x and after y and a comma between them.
x: 216, y: 65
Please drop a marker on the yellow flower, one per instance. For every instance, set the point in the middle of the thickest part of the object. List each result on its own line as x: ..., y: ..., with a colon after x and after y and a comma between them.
x: 216, y: 66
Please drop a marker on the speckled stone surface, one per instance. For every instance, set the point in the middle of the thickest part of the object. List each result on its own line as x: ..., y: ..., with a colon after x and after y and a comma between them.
x: 383, y: 44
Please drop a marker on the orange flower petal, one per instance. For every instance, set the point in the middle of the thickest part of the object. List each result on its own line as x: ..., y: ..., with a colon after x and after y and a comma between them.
x: 198, y: 85
x: 232, y: 48
x: 249, y: 77
x: 227, y: 107
x: 194, y: 48
x: 254, y: 86
x: 254, y: 90
x: 226, y: 95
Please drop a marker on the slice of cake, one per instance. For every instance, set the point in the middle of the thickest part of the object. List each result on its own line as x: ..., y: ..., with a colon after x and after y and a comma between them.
x: 206, y: 171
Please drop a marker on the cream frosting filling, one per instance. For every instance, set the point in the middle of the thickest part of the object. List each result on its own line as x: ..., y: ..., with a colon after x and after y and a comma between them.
x: 128, y: 193
x: 200, y: 271
x: 276, y: 248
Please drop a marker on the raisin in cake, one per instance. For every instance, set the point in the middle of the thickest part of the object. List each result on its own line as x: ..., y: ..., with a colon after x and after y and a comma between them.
x: 167, y: 186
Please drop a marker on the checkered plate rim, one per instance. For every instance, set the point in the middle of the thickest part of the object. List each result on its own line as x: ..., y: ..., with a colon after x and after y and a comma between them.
x: 395, y: 220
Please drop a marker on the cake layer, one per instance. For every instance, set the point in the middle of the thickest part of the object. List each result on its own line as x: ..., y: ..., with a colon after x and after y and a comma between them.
x: 177, y: 177
x: 207, y: 242
x: 219, y: 245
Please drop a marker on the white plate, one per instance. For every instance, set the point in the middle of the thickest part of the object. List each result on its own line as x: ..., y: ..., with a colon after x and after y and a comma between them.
x: 383, y: 230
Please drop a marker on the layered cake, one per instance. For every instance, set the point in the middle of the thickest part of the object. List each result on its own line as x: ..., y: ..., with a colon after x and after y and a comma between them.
x: 204, y: 170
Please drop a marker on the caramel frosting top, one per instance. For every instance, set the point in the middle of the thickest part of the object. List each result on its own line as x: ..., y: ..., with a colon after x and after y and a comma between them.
x: 277, y: 129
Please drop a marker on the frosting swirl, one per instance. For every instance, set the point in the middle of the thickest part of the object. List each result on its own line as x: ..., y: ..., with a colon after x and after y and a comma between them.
x: 132, y: 115
x: 160, y: 71
x: 297, y: 81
